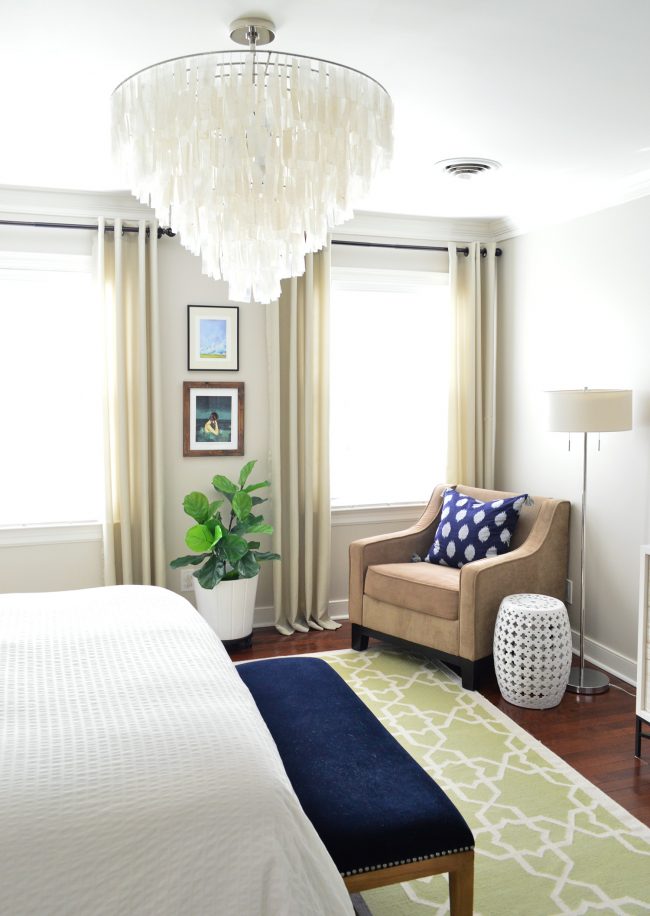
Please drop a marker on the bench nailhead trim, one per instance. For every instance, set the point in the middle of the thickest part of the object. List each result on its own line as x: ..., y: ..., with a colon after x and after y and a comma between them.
x: 435, y: 855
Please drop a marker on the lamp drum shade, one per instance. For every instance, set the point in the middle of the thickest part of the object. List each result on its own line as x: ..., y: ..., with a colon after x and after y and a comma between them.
x: 590, y: 410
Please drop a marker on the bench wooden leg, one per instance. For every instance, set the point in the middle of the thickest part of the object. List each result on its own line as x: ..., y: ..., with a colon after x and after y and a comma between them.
x: 460, y: 866
x: 359, y: 639
x: 461, y: 887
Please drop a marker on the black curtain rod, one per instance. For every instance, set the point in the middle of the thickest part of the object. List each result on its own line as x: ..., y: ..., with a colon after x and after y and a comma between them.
x: 168, y: 232
x: 40, y: 225
x: 464, y: 251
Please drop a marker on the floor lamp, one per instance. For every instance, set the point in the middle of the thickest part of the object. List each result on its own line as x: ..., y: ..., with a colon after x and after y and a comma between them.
x: 588, y: 410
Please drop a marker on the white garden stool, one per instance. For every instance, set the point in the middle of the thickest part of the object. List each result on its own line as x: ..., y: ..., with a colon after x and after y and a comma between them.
x: 532, y: 650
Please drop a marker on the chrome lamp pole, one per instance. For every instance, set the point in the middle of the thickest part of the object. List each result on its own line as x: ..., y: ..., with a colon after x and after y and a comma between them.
x: 588, y: 410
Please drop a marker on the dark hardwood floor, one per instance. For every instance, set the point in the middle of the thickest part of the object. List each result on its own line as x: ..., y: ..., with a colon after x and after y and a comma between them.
x: 595, y: 735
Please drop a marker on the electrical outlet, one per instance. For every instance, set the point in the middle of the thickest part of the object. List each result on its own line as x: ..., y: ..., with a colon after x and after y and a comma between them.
x: 568, y: 592
x: 187, y: 583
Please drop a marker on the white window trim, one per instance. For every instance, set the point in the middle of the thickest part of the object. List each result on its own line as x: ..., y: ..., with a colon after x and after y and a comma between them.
x: 390, y: 280
x: 397, y: 514
x: 33, y: 535
x: 32, y: 261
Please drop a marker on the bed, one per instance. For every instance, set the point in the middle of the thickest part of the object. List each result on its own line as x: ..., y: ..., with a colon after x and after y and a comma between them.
x: 137, y: 775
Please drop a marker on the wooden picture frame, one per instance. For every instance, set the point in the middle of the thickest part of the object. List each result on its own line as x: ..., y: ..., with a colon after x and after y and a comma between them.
x: 213, y: 338
x: 213, y: 419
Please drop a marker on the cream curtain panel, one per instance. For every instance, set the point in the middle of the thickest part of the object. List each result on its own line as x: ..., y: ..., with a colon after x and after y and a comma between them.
x: 472, y: 389
x: 298, y: 359
x: 133, y: 526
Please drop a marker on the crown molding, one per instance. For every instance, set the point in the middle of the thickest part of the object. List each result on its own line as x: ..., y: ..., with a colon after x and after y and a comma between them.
x: 423, y: 229
x: 506, y: 228
x: 44, y: 203
x: 635, y: 190
x: 70, y: 204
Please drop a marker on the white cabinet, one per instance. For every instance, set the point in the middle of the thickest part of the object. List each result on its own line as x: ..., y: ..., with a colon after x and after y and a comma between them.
x: 643, y: 656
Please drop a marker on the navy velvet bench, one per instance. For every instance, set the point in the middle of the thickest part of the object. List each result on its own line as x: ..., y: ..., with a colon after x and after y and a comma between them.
x: 381, y: 817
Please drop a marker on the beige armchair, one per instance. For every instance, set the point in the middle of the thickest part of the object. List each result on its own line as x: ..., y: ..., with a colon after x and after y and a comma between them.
x: 450, y: 613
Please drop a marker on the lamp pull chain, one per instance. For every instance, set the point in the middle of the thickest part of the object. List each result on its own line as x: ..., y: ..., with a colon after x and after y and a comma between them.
x: 598, y: 441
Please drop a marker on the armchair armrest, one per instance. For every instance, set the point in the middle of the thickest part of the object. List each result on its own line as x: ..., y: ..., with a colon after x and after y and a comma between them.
x: 395, y: 547
x: 539, y: 566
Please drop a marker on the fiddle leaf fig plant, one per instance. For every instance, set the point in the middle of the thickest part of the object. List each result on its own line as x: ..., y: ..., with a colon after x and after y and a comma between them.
x: 220, y: 544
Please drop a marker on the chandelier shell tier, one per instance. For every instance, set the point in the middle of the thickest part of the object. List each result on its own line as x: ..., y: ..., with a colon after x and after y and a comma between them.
x: 251, y: 156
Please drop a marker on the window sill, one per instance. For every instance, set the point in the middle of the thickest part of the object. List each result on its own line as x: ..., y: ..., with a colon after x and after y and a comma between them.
x: 33, y: 535
x: 400, y: 513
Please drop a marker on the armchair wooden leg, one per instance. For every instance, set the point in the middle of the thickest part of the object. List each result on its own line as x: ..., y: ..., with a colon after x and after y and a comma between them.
x: 468, y: 674
x: 461, y: 887
x: 359, y: 639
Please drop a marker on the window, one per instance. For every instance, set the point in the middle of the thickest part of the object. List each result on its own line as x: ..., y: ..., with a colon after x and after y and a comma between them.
x: 389, y: 384
x: 50, y: 388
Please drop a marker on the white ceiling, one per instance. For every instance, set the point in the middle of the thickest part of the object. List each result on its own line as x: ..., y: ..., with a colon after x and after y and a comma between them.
x: 556, y: 90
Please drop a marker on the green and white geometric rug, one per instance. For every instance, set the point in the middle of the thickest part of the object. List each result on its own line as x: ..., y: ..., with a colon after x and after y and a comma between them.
x: 547, y: 840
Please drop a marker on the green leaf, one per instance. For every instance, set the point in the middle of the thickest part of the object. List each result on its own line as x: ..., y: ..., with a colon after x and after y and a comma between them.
x: 251, y: 524
x: 242, y: 504
x: 258, y: 486
x: 192, y: 560
x: 253, y: 545
x: 266, y: 555
x: 223, y: 485
x: 234, y: 547
x: 200, y: 539
x: 259, y: 499
x: 219, y: 551
x: 211, y: 573
x: 244, y: 474
x: 248, y: 566
x: 214, y: 507
x: 196, y: 506
x: 260, y: 527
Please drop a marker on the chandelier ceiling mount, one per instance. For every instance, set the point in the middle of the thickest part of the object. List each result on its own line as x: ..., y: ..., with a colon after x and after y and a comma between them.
x: 252, y: 31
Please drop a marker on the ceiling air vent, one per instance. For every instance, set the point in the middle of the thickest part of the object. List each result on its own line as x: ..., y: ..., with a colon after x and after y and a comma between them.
x: 467, y: 168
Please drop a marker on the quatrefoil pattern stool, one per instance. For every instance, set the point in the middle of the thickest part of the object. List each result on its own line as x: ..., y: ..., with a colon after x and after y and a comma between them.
x: 532, y: 650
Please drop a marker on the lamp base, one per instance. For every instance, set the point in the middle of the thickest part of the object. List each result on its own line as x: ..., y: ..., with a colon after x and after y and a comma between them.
x: 587, y: 680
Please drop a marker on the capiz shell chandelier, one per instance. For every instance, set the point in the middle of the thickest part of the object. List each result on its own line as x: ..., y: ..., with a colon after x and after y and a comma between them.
x: 251, y: 156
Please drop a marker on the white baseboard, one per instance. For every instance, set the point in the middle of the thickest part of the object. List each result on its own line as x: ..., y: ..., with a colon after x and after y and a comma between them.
x: 613, y: 662
x: 265, y: 617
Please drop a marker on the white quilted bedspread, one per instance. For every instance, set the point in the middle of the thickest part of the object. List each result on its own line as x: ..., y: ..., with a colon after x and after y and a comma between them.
x: 136, y: 774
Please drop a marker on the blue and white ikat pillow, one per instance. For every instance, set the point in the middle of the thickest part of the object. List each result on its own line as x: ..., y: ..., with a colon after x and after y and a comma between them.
x: 470, y: 529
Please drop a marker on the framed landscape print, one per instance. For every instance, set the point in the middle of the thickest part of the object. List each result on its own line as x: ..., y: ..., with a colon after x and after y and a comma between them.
x: 213, y: 337
x: 213, y: 418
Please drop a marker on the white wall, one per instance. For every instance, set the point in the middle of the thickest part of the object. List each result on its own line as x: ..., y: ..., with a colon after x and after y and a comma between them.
x: 40, y: 567
x: 181, y: 283
x: 574, y: 311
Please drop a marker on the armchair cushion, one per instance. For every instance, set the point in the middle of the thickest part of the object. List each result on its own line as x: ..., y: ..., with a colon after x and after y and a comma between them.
x: 420, y: 587
x: 471, y: 529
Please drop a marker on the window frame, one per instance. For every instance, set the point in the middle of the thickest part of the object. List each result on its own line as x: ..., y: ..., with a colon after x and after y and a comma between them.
x: 368, y: 277
x: 34, y: 260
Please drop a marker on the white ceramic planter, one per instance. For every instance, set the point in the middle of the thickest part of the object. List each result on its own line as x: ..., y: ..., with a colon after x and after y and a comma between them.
x: 228, y: 608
